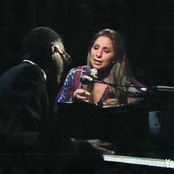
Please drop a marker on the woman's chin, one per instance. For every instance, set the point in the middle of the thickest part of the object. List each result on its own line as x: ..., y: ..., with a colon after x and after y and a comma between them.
x: 97, y: 67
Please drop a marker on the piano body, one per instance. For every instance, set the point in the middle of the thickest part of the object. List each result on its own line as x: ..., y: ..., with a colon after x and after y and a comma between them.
x: 142, y: 133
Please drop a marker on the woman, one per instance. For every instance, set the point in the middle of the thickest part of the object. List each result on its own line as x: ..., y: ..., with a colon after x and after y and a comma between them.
x: 107, y: 55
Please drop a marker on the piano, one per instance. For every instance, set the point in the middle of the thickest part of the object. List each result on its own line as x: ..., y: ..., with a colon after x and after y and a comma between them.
x: 143, y: 134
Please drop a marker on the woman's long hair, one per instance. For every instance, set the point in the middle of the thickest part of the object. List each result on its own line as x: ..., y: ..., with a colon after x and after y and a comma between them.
x: 120, y: 72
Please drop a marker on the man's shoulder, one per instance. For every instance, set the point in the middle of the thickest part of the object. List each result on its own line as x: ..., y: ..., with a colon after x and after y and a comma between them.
x: 22, y: 66
x: 21, y: 70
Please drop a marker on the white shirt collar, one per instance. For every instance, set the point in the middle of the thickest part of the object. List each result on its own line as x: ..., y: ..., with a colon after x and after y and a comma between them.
x: 29, y: 61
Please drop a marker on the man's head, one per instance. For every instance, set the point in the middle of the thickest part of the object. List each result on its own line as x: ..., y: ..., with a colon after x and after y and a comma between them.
x: 44, y: 47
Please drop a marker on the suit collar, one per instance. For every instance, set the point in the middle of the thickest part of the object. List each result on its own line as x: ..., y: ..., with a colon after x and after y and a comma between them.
x: 32, y: 63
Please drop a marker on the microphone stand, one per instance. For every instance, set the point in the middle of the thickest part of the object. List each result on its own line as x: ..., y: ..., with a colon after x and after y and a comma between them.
x: 154, y: 88
x: 137, y: 94
x: 154, y: 97
x: 143, y: 91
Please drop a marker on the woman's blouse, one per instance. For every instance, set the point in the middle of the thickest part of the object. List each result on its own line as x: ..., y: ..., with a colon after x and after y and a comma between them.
x: 72, y: 82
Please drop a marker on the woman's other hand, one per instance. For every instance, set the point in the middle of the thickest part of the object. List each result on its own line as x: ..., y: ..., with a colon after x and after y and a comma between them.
x: 113, y: 102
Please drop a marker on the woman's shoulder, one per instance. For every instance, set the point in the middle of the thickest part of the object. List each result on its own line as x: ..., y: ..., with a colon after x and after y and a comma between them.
x: 75, y: 74
x: 22, y: 69
x: 81, y: 69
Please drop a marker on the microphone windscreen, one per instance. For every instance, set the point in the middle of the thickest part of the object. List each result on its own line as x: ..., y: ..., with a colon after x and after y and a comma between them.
x: 94, y: 72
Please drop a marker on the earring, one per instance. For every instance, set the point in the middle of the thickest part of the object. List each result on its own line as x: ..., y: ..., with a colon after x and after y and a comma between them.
x: 113, y: 62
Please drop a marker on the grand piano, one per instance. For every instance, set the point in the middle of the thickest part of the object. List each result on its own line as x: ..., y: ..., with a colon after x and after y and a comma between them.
x: 142, y: 133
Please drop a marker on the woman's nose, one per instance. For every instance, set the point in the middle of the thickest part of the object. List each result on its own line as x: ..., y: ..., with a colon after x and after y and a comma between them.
x: 99, y: 54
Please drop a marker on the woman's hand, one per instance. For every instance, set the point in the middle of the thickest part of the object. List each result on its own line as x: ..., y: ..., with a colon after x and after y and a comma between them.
x: 81, y: 94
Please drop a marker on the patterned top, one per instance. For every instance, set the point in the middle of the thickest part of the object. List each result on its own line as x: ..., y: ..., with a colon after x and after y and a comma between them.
x: 72, y: 82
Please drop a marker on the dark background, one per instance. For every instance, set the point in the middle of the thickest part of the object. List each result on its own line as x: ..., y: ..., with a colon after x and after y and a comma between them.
x: 145, y: 25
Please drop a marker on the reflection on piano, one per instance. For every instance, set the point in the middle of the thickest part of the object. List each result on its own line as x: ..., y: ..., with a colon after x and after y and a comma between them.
x: 166, y: 163
x: 142, y: 133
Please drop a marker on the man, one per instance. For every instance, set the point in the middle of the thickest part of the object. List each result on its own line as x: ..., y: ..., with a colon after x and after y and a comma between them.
x: 30, y: 138
x: 27, y: 93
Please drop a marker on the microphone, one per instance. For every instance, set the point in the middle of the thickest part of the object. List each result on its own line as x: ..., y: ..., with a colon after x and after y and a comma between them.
x: 86, y: 79
x: 91, y: 78
x: 94, y: 72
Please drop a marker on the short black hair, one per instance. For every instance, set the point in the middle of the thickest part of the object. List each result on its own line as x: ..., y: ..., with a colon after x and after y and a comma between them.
x: 37, y: 44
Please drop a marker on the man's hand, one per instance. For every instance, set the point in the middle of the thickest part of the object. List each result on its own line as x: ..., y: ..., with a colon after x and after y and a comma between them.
x: 103, y: 147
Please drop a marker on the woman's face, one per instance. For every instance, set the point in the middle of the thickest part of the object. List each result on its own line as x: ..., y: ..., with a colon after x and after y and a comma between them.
x: 102, y: 53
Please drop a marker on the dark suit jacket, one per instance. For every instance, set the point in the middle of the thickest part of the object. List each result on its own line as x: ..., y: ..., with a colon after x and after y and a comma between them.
x: 23, y: 113
x: 28, y: 142
x: 31, y: 142
x: 23, y: 104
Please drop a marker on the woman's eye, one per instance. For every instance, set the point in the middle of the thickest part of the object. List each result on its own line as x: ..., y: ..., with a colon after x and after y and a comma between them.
x: 95, y: 47
x: 106, y: 51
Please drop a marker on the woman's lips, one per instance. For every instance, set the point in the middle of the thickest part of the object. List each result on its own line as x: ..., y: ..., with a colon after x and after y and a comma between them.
x: 97, y: 62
